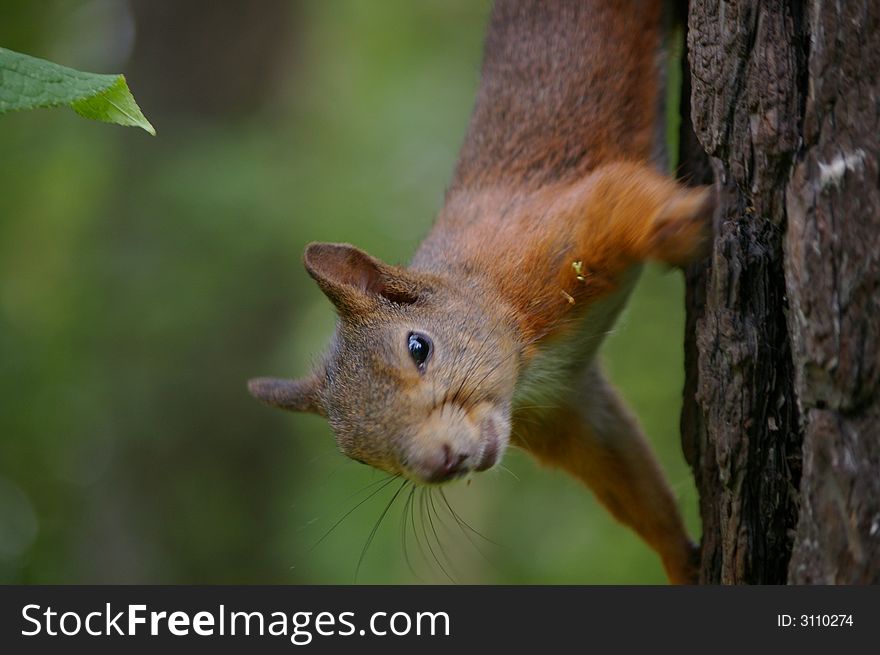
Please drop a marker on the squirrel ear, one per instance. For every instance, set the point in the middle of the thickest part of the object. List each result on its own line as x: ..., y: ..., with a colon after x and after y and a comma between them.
x: 352, y: 279
x: 295, y: 395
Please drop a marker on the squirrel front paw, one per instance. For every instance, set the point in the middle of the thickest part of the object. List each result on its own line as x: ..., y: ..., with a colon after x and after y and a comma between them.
x: 645, y: 215
x: 684, y: 568
x: 682, y: 230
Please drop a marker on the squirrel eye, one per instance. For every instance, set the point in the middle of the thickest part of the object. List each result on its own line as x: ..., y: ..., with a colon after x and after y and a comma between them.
x: 420, y: 348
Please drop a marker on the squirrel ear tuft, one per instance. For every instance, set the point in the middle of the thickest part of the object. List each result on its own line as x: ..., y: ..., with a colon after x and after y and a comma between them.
x: 352, y: 279
x: 300, y: 395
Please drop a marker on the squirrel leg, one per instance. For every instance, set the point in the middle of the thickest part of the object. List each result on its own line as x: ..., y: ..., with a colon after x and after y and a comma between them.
x: 595, y: 438
x: 637, y: 214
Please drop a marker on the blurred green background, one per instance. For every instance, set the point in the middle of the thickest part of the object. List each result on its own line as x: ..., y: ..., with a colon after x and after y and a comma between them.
x: 143, y: 280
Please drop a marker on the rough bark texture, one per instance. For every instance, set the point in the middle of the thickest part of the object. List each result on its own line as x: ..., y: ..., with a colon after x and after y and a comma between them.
x: 781, y: 421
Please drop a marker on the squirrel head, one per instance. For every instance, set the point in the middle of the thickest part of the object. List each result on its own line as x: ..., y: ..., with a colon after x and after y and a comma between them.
x: 420, y: 374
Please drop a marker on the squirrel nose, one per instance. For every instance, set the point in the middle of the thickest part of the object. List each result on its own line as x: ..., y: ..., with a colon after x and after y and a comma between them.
x: 450, y: 465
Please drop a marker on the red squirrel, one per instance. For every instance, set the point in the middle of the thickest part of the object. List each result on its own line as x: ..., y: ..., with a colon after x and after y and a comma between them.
x: 490, y: 335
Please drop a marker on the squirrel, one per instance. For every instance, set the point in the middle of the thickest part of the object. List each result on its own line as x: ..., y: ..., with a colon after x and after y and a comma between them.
x: 489, y: 336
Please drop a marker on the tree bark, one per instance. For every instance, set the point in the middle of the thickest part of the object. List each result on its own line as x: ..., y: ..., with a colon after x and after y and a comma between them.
x: 781, y: 418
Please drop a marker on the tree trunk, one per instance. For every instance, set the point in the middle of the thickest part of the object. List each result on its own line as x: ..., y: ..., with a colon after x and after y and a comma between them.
x: 781, y: 418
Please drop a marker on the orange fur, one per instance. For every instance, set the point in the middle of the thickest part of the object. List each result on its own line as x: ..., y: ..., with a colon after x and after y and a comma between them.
x: 554, y: 203
x: 527, y: 243
x: 609, y: 454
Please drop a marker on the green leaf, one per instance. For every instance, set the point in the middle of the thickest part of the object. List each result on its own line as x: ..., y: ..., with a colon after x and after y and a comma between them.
x: 28, y: 83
